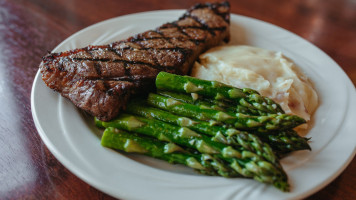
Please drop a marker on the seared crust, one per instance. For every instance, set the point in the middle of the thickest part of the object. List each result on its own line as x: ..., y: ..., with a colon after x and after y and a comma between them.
x: 101, y: 79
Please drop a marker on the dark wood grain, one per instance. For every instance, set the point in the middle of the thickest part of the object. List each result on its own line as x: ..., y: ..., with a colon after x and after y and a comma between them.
x: 30, y: 28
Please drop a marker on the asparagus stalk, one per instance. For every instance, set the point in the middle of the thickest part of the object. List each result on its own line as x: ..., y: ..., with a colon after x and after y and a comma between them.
x: 134, y: 143
x: 220, y: 134
x: 246, y: 163
x: 246, y: 97
x: 239, y: 121
x: 284, y: 142
x: 195, y: 99
x: 206, y: 103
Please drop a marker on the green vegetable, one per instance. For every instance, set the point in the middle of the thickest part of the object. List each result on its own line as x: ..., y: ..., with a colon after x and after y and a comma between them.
x: 246, y: 163
x: 211, y: 127
x: 239, y: 121
x: 246, y: 97
x: 283, y: 142
x: 195, y: 99
x: 206, y: 103
x: 220, y: 134
x: 134, y: 143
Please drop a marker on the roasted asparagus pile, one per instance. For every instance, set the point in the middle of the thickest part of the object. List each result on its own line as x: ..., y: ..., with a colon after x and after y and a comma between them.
x: 211, y: 127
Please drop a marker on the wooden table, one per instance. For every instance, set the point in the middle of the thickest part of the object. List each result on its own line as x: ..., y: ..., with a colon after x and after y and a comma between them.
x: 29, y: 28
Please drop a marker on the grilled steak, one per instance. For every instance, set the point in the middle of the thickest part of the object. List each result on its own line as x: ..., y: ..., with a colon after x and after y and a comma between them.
x: 102, y: 79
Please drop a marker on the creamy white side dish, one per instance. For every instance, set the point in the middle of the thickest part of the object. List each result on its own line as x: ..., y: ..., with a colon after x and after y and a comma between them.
x: 270, y: 73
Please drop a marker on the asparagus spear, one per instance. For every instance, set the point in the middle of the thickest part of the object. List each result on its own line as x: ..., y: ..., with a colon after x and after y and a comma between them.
x: 206, y: 103
x: 246, y: 97
x: 194, y: 99
x: 134, y: 143
x: 284, y: 142
x: 239, y: 121
x: 220, y: 134
x: 244, y: 162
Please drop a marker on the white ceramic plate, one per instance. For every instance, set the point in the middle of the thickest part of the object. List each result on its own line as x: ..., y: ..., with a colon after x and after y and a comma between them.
x: 71, y: 136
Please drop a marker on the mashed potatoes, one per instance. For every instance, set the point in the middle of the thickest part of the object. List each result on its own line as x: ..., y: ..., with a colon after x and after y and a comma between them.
x: 268, y: 72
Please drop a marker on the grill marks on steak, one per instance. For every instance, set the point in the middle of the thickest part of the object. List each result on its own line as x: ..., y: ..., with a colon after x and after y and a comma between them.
x: 101, y: 79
